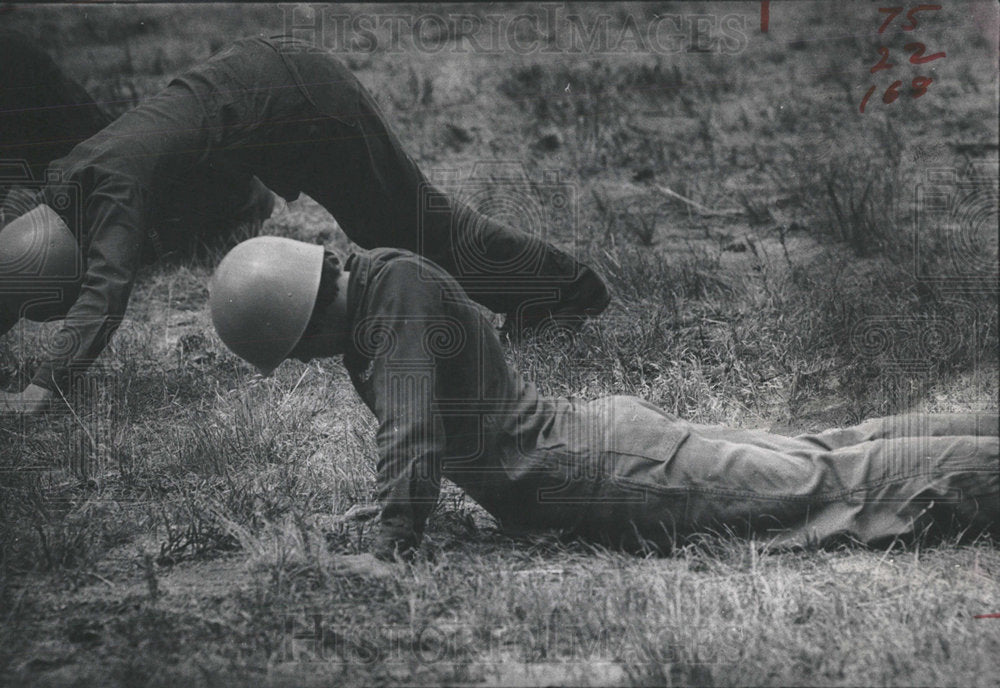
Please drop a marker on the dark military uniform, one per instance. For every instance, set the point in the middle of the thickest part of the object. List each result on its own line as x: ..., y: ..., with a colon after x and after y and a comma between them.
x: 44, y: 114
x: 618, y: 469
x: 299, y: 120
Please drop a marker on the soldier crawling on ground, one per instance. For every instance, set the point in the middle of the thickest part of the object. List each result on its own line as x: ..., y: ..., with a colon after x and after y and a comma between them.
x: 295, y: 118
x: 618, y: 470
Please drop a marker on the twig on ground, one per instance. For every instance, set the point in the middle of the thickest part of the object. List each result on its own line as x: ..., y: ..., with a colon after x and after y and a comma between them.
x: 100, y: 578
x: 702, y: 210
x: 359, y: 512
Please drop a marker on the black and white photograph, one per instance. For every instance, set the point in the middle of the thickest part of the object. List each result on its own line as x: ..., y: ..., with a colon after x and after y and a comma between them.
x: 499, y: 344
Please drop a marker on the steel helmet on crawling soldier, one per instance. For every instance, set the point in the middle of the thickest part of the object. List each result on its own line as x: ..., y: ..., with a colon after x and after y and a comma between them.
x: 41, y: 270
x: 262, y: 298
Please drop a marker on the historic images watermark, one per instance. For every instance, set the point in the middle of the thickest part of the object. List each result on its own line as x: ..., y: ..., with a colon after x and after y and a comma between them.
x: 326, y: 638
x: 544, y: 29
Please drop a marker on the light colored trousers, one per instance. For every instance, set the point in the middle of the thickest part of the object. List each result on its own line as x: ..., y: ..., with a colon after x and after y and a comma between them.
x: 659, y: 478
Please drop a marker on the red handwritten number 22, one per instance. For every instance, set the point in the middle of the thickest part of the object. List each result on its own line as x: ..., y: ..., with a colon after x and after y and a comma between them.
x: 916, y: 58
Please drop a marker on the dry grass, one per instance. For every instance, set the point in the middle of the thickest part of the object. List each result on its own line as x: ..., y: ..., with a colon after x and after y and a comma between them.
x: 179, y: 525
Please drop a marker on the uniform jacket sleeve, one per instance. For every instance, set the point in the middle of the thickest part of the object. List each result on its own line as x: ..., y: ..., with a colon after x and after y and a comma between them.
x: 401, y: 383
x: 113, y: 211
x: 116, y: 171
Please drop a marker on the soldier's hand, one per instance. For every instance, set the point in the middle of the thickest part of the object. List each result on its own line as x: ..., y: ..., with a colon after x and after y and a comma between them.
x: 365, y: 565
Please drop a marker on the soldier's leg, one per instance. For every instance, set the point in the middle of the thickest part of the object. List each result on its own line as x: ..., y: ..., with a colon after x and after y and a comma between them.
x: 43, y: 112
x: 669, y: 479
x: 361, y: 174
x: 972, y: 424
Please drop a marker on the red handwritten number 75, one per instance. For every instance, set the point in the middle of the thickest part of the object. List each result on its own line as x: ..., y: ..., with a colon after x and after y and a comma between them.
x: 893, y: 12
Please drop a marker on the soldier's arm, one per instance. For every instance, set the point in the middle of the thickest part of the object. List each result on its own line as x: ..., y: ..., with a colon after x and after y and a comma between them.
x: 112, y: 259
x: 403, y: 383
x: 117, y: 171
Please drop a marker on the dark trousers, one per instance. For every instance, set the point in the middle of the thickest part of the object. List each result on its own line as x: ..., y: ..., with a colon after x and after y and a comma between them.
x: 336, y: 146
x: 43, y: 113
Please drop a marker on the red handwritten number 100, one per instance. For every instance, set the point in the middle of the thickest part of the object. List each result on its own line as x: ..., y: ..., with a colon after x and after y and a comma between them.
x: 916, y: 49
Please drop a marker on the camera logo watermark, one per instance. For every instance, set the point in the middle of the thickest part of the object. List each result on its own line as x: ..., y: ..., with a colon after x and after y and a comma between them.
x: 904, y: 350
x: 956, y: 229
x: 545, y: 29
x: 475, y: 216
